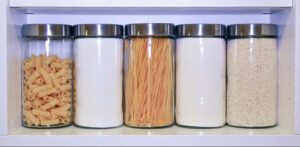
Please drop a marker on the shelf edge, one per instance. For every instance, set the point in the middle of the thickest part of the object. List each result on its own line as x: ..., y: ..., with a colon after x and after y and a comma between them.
x: 153, y: 3
x: 162, y: 140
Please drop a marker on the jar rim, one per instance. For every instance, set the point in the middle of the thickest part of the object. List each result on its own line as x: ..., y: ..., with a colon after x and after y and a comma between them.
x: 98, y: 30
x: 252, y: 30
x: 201, y: 30
x: 47, y: 30
x: 150, y: 29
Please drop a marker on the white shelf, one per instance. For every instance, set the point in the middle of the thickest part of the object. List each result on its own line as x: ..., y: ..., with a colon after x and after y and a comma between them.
x: 166, y: 136
x: 282, y: 12
x: 151, y: 3
x: 150, y: 6
x: 172, y: 131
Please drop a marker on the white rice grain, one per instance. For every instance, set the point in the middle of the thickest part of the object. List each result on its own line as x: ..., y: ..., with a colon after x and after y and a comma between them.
x: 252, y: 82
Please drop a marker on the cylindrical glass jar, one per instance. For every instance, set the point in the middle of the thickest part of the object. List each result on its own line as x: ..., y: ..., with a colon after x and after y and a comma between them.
x: 252, y: 75
x: 98, y: 50
x: 47, y: 75
x: 149, y: 75
x: 200, y: 75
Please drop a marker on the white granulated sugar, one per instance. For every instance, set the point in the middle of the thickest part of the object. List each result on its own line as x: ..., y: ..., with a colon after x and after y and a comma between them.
x: 98, y: 65
x: 200, y: 82
x: 252, y: 82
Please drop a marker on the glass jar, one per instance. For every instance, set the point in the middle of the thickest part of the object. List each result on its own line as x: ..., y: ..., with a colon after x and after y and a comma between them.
x: 149, y: 75
x: 47, y: 75
x: 98, y: 58
x: 252, y: 75
x: 200, y: 75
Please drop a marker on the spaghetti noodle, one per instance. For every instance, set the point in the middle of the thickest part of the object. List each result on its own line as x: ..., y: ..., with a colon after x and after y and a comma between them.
x: 149, y: 91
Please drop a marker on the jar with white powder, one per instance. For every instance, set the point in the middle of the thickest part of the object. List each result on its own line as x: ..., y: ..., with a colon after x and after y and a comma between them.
x: 252, y: 75
x: 98, y: 50
x: 200, y: 75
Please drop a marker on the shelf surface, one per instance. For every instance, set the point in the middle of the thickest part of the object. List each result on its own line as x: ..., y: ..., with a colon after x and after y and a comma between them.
x: 166, y: 136
x: 150, y: 3
x: 174, y: 130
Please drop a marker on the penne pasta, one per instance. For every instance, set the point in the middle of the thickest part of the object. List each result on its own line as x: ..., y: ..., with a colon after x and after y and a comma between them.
x: 28, y: 105
x: 65, y: 87
x: 61, y: 104
x: 57, y: 65
x: 38, y: 63
x: 45, y: 76
x: 49, y: 122
x: 56, y: 94
x: 62, y: 80
x: 28, y: 66
x: 32, y: 78
x: 67, y: 61
x: 66, y: 99
x: 59, y: 113
x: 47, y: 91
x: 66, y: 120
x: 27, y: 75
x: 41, y: 113
x: 42, y: 101
x: 66, y: 107
x: 41, y: 88
x: 55, y: 81
x: 29, y: 116
x: 36, y: 103
x: 39, y: 81
x: 50, y: 104
x: 49, y: 60
x: 48, y: 99
x: 61, y: 73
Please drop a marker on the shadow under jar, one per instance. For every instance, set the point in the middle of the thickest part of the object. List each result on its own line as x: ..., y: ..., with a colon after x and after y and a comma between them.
x: 252, y: 75
x: 47, y: 75
x: 149, y: 75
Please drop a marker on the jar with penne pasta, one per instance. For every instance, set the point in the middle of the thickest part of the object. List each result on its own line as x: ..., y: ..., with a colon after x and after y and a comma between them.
x: 47, y: 75
x: 149, y: 75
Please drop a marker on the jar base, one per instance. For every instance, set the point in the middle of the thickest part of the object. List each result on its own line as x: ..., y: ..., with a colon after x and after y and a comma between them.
x: 46, y: 127
x: 200, y: 127
x: 86, y: 127
x: 254, y: 127
x: 158, y: 127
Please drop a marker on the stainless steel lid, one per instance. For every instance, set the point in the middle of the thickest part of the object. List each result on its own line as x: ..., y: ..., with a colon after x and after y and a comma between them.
x: 252, y: 30
x: 150, y: 29
x: 200, y: 30
x: 47, y: 30
x: 98, y: 30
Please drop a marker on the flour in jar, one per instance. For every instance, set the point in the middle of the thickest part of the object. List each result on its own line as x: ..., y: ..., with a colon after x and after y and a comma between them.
x: 200, y: 82
x: 98, y: 70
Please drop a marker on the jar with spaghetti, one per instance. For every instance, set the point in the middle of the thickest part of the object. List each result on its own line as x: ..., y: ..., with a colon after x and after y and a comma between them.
x: 149, y: 75
x: 47, y: 75
x: 252, y: 75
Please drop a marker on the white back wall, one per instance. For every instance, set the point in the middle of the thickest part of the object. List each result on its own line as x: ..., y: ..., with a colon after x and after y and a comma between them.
x: 125, y: 19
